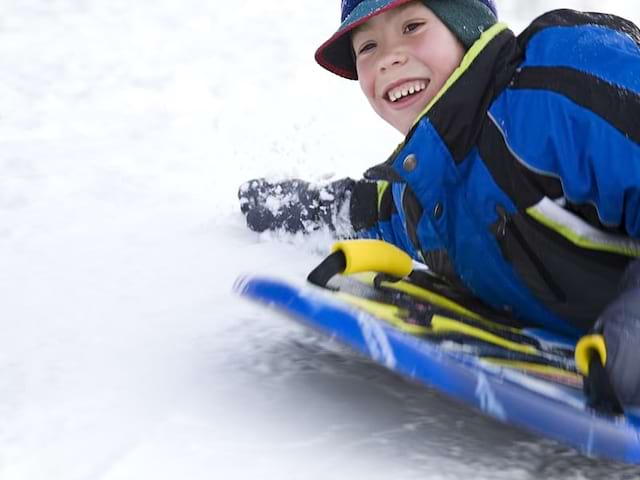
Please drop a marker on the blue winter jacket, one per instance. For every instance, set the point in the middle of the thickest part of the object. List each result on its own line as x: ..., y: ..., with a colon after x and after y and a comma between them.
x: 521, y: 180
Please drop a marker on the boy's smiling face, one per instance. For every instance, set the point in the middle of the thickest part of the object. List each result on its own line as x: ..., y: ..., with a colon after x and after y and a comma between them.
x: 403, y: 57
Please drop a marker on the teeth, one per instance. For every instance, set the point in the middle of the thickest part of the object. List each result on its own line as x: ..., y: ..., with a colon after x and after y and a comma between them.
x: 407, y: 89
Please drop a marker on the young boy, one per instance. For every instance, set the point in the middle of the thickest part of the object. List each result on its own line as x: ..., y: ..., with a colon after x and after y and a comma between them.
x: 519, y: 178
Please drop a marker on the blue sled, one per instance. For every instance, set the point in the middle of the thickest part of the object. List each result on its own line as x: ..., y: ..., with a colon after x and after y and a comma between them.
x: 537, y: 405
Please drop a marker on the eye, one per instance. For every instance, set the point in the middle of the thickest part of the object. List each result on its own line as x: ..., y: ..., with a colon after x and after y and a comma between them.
x: 412, y: 27
x: 366, y: 47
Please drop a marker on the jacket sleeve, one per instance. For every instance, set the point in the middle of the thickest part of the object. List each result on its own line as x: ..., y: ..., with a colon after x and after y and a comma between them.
x: 570, y: 114
x: 376, y: 212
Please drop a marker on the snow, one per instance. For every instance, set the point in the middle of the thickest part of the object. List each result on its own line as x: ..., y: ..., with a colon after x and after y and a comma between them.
x: 125, y: 130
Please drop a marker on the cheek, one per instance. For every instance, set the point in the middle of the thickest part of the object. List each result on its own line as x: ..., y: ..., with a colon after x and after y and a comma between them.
x: 367, y: 83
x: 457, y: 53
x: 443, y: 60
x: 447, y: 60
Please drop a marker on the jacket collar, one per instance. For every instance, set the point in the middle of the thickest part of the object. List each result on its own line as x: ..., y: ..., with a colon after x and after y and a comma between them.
x: 458, y: 109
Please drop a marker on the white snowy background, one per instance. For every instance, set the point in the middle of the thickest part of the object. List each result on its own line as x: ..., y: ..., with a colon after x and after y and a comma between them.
x: 125, y: 129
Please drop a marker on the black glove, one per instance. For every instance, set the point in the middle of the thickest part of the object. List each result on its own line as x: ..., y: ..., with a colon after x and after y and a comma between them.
x: 619, y: 324
x: 293, y: 205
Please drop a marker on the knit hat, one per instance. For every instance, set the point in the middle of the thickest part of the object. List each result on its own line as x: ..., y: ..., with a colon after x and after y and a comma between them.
x: 466, y: 19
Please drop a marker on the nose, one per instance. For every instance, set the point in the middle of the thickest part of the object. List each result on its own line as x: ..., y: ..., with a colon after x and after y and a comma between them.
x: 392, y: 59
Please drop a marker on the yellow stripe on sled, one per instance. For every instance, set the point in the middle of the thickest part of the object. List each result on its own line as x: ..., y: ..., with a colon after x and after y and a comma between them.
x: 390, y: 313
x: 431, y: 297
x: 440, y: 324
x: 437, y: 300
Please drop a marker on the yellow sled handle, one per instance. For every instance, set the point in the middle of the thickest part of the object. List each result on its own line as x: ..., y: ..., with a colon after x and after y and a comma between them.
x: 374, y: 256
x: 591, y: 359
x: 587, y: 347
x: 355, y: 256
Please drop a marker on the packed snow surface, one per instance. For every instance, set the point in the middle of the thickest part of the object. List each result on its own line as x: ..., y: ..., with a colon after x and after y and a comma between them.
x: 125, y: 130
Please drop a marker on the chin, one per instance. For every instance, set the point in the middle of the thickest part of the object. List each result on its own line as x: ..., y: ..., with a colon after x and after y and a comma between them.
x: 404, y: 129
x: 402, y: 125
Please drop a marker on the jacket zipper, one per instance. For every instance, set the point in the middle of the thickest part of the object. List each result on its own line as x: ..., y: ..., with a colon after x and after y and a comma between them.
x: 507, y: 224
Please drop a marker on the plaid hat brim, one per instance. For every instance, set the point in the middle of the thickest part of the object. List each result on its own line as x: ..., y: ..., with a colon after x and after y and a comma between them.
x: 335, y: 54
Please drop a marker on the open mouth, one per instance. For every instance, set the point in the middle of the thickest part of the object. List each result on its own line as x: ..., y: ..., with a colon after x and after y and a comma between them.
x: 405, y: 90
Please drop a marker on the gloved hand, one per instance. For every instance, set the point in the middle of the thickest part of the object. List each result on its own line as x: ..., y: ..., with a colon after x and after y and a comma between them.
x: 619, y: 326
x: 292, y: 205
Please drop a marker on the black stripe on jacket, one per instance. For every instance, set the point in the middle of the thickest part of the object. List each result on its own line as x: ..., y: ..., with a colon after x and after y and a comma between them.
x: 524, y: 186
x: 571, y: 18
x: 458, y: 116
x: 588, y: 91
